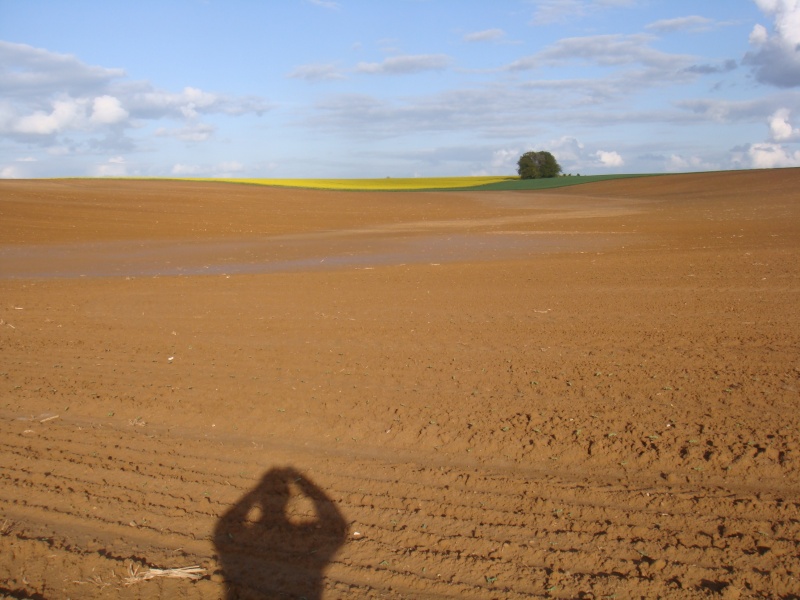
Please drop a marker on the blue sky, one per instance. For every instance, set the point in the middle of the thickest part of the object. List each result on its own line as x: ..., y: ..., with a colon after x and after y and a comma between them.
x: 401, y: 88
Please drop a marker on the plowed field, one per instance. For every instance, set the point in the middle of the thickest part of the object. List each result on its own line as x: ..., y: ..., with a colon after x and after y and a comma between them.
x: 591, y: 392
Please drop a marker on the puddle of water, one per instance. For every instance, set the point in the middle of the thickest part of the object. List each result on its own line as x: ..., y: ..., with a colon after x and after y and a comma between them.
x: 279, y: 254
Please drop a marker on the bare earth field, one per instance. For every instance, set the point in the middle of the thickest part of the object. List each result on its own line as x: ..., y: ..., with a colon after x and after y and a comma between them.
x: 590, y: 392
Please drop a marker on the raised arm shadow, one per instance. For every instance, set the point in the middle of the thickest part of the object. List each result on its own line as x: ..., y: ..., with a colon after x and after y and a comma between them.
x: 276, y: 541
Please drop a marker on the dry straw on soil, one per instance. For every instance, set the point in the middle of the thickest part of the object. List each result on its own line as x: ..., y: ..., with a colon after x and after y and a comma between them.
x: 136, y: 575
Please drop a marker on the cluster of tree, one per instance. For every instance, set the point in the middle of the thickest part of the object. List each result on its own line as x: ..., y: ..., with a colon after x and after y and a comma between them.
x: 537, y: 165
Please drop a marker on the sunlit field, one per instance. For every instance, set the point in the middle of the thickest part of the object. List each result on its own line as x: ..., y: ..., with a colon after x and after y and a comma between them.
x: 265, y: 386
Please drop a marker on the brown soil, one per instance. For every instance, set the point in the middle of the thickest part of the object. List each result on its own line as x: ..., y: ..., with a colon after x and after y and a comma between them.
x: 584, y: 393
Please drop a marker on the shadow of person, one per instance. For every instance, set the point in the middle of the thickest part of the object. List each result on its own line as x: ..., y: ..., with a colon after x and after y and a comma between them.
x: 276, y: 541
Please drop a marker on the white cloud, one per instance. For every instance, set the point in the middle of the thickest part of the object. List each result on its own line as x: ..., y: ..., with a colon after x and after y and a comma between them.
x: 787, y: 18
x: 567, y: 149
x: 108, y: 110
x: 505, y: 160
x: 776, y: 56
x: 610, y: 159
x: 26, y: 71
x: 781, y: 128
x: 759, y: 35
x: 66, y: 113
x: 403, y: 65
x: 153, y: 103
x: 70, y: 107
x: 770, y: 156
x: 147, y: 102
x: 575, y: 156
x: 196, y: 99
x: 27, y: 159
x: 487, y: 35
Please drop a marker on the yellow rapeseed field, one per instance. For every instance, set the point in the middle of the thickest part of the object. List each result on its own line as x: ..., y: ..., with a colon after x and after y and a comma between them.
x: 387, y: 184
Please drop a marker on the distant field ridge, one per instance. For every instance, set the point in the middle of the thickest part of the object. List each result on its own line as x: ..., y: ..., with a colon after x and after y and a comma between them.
x: 393, y: 184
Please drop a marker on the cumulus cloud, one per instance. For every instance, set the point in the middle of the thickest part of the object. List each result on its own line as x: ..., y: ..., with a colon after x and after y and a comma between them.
x: 505, y: 160
x: 487, y: 35
x: 406, y: 64
x: 775, y: 153
x: 574, y: 155
x: 57, y: 101
x: 65, y: 113
x: 781, y: 128
x: 567, y: 149
x: 610, y: 159
x: 108, y: 110
x: 759, y: 35
x: 317, y: 72
x: 770, y: 156
x: 775, y: 57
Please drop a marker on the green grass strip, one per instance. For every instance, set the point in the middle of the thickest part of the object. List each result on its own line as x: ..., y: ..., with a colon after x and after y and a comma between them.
x: 517, y: 184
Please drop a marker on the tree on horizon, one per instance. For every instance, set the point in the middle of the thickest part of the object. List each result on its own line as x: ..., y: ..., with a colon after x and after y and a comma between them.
x: 538, y: 165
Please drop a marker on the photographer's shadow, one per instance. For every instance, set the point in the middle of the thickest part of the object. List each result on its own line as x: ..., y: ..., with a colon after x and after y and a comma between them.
x: 276, y: 541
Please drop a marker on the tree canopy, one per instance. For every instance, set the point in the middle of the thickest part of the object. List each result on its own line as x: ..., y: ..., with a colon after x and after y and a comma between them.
x: 537, y: 165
